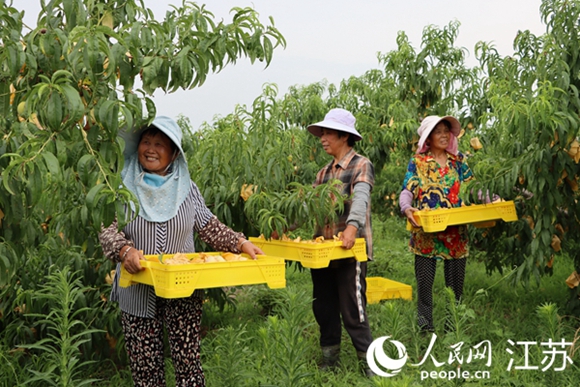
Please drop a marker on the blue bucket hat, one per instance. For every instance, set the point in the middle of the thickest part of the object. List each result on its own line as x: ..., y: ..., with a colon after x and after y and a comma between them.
x: 165, y: 124
x: 159, y: 202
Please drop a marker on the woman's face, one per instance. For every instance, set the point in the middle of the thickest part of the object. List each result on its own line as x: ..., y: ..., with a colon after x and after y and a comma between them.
x: 155, y: 153
x: 332, y: 143
x: 440, y: 137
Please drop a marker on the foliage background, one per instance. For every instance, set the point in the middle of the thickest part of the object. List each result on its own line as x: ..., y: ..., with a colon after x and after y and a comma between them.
x: 89, y: 68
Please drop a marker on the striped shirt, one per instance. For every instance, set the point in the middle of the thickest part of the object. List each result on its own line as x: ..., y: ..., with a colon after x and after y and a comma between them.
x: 173, y: 236
x: 351, y: 170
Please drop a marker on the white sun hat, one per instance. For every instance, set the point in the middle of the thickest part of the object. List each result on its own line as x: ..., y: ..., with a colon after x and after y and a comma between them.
x: 337, y: 119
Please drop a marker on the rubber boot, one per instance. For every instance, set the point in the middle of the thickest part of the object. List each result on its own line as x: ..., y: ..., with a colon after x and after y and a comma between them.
x: 362, y: 359
x: 330, y: 357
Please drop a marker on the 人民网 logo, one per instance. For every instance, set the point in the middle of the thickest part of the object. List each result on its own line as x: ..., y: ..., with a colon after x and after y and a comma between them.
x: 380, y: 363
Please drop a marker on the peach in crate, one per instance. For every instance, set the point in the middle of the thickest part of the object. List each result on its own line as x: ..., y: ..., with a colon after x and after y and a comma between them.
x: 311, y: 254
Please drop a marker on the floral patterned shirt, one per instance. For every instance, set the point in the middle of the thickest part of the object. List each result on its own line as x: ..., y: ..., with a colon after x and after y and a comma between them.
x: 437, y: 186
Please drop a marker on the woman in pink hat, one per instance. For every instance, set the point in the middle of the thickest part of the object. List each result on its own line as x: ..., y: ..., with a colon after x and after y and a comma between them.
x: 433, y: 180
x: 340, y: 289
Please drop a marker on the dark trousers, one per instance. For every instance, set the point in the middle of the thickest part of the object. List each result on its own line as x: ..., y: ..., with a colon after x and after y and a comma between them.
x: 425, y: 268
x: 340, y: 290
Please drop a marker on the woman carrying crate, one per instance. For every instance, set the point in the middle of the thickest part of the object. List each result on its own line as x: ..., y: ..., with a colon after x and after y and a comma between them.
x: 433, y: 180
x: 340, y: 289
x: 171, y: 210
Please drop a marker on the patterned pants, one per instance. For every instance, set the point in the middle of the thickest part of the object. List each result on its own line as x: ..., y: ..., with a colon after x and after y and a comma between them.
x: 425, y: 268
x: 144, y: 343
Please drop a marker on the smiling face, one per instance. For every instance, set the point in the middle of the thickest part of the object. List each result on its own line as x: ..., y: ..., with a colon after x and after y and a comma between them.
x: 332, y: 143
x: 440, y: 137
x: 155, y: 152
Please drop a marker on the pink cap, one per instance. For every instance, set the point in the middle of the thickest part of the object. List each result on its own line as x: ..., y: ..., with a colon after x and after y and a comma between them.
x: 429, y: 123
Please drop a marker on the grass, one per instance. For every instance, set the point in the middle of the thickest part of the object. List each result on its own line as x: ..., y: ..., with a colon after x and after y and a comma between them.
x: 493, y: 312
x: 271, y: 338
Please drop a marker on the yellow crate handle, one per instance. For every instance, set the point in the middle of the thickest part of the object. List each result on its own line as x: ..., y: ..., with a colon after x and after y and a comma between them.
x: 125, y: 278
x: 410, y: 226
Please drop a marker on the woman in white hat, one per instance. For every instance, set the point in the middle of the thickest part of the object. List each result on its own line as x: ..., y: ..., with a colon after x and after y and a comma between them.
x: 171, y: 210
x: 340, y: 289
x: 433, y: 180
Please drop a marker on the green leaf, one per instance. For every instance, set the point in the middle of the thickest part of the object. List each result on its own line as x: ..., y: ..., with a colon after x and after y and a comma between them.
x: 53, y: 113
x: 268, y: 50
x: 84, y: 166
x: 51, y: 163
x: 108, y: 115
x: 5, y: 110
x: 92, y: 197
x: 74, y: 103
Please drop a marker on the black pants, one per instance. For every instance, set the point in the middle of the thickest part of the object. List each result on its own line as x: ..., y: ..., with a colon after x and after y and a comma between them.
x: 425, y: 268
x: 340, y: 290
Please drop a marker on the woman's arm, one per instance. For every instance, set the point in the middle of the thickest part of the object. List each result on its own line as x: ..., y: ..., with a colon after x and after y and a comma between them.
x: 360, y: 202
x: 405, y: 202
x: 113, y: 242
x: 357, y: 216
x: 410, y: 185
x: 222, y: 238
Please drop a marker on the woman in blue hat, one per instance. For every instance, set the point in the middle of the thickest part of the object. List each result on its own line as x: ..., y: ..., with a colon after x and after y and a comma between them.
x: 171, y: 210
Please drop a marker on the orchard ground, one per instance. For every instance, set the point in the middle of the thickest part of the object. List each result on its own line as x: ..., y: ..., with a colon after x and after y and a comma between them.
x: 250, y: 345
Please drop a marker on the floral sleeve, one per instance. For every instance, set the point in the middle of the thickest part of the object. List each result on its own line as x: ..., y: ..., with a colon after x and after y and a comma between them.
x: 411, y: 182
x: 219, y: 236
x: 112, y: 240
x: 465, y: 173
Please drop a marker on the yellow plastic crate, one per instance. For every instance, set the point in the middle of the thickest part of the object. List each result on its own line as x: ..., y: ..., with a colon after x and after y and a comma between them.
x: 175, y: 281
x: 479, y: 215
x: 312, y: 255
x: 379, y: 288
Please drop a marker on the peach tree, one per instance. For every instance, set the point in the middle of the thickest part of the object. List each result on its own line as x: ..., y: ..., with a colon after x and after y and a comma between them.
x: 530, y: 146
x: 520, y: 116
x: 67, y: 85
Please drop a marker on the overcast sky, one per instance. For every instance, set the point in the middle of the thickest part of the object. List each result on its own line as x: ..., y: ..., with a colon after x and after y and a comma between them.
x: 333, y: 40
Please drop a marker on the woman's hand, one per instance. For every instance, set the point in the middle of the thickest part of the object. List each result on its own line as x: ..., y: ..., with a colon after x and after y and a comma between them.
x: 348, y: 236
x: 251, y: 249
x: 409, y: 214
x: 130, y: 258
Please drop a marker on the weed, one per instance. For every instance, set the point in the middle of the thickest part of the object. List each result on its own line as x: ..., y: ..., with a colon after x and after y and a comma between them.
x: 287, y: 352
x: 58, y: 355
x: 231, y: 363
x: 548, y: 314
x: 246, y: 348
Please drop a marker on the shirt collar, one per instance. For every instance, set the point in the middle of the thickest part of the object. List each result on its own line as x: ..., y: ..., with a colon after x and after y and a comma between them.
x: 429, y: 156
x: 346, y: 159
